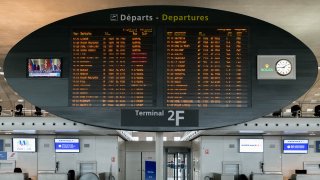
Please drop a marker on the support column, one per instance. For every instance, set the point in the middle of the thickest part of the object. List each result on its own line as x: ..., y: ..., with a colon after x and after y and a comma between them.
x: 159, y: 155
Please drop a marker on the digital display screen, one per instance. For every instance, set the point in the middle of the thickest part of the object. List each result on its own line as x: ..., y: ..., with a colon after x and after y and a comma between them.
x: 24, y: 145
x: 295, y: 146
x: 206, y: 67
x: 67, y: 145
x: 251, y: 145
x: 48, y: 68
x: 190, y: 67
x: 113, y: 67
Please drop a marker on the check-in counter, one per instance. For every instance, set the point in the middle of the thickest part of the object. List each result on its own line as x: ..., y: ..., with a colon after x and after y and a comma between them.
x: 104, y: 175
x: 267, y: 176
x: 14, y: 176
x: 227, y: 177
x: 52, y: 176
x: 305, y: 177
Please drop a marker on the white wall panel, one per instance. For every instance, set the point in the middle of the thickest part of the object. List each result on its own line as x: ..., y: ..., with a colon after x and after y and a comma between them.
x: 46, y: 154
x: 133, y: 165
x: 272, y: 154
x: 212, y: 155
x: 195, y: 158
x: 121, y: 158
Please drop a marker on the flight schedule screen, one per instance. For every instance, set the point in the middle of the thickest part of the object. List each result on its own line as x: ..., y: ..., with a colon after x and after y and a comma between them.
x: 206, y: 67
x: 199, y: 67
x: 112, y: 67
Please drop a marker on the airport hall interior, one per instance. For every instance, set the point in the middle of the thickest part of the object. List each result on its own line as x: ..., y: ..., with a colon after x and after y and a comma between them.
x: 159, y: 90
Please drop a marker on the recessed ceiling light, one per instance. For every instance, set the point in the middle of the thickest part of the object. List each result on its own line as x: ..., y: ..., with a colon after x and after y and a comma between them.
x: 25, y: 131
x: 67, y: 131
x: 135, y: 138
x: 164, y: 138
x: 176, y: 138
x: 149, y: 138
x: 251, y: 131
x: 295, y: 132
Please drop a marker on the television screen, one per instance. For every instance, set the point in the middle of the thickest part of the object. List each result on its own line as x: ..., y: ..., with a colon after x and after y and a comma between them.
x: 295, y: 146
x: 23, y: 144
x: 45, y: 67
x: 67, y: 145
x: 251, y: 145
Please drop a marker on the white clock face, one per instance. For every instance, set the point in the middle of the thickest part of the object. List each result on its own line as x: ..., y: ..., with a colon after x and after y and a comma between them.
x: 283, y: 67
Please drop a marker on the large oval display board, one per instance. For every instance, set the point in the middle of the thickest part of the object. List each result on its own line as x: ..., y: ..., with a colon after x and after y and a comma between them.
x: 160, y: 68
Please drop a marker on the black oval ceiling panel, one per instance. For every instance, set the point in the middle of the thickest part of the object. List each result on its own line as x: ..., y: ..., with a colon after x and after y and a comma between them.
x: 160, y: 68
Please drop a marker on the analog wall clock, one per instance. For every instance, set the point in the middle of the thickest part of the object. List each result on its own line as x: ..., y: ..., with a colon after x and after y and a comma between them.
x: 283, y: 67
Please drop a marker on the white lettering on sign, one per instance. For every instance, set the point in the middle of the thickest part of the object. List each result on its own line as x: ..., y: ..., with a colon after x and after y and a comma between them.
x: 149, y: 113
x: 176, y: 116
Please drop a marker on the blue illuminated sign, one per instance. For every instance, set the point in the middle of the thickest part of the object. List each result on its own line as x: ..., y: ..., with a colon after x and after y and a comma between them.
x: 317, y: 146
x: 67, y: 145
x: 1, y: 144
x: 295, y: 146
x: 3, y: 156
x: 150, y: 169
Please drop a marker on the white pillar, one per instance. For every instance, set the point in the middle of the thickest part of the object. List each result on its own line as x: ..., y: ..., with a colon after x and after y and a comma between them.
x: 159, y: 155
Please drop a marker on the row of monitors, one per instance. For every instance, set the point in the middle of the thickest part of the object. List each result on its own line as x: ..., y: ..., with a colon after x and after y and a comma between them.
x: 73, y: 145
x: 288, y: 147
x: 60, y: 145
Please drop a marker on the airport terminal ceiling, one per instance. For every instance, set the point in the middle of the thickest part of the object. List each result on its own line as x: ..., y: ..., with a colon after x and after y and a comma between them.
x: 154, y: 30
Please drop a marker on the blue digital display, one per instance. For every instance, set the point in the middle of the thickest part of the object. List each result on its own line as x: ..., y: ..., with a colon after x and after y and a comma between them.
x: 295, y: 146
x: 317, y: 146
x: 1, y: 144
x: 67, y: 145
x: 150, y: 170
x: 3, y: 156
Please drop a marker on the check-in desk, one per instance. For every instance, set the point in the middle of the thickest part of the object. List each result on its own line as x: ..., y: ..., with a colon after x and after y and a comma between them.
x: 305, y: 177
x: 14, y: 176
x: 52, y: 176
x: 104, y: 175
x: 227, y: 177
x: 267, y: 177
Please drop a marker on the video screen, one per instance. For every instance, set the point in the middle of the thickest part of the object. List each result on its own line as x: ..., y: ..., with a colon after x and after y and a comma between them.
x: 251, y: 145
x: 295, y: 146
x: 50, y: 67
x: 23, y: 144
x: 67, y: 145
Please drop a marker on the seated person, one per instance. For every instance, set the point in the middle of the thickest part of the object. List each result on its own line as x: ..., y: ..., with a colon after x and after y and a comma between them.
x: 242, y: 177
x: 17, y: 170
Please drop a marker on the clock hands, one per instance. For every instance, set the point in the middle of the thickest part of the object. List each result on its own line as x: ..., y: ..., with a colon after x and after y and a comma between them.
x: 283, y: 66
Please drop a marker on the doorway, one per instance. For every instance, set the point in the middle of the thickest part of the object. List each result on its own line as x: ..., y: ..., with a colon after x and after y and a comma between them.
x: 177, y: 164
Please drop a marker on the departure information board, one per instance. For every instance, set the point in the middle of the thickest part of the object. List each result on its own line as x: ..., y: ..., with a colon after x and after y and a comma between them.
x: 161, y: 68
x: 206, y: 67
x: 112, y: 67
x: 201, y: 67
